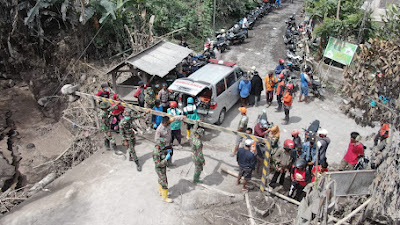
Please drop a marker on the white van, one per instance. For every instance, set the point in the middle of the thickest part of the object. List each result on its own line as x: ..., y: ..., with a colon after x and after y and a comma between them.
x: 215, y: 88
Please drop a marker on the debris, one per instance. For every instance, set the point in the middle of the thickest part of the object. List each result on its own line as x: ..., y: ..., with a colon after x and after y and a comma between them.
x: 30, y: 146
x: 358, y: 209
x: 41, y: 184
x: 252, y: 222
x: 217, y: 190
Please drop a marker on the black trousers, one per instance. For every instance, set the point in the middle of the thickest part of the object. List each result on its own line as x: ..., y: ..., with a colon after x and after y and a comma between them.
x: 279, y: 100
x: 270, y: 96
x: 281, y: 178
x: 176, y: 134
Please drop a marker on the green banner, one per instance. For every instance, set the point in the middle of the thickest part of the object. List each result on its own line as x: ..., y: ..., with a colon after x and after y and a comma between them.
x: 340, y: 51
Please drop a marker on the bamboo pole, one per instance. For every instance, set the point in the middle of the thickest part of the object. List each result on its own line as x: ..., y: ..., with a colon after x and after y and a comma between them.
x: 358, y: 209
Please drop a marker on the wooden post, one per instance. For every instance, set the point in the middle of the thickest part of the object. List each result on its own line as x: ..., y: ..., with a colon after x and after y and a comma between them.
x: 93, y: 103
x: 338, y: 10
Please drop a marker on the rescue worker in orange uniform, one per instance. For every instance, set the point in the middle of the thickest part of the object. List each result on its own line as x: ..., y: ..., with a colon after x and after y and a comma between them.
x: 383, y: 133
x: 287, y: 101
x: 280, y: 90
x: 270, y: 83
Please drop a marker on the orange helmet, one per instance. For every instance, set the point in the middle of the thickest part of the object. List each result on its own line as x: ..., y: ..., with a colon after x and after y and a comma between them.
x: 173, y: 104
x: 289, y: 86
x: 288, y: 144
x: 243, y: 109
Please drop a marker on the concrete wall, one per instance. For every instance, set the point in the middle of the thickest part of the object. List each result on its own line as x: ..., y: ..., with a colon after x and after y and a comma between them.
x: 333, y: 75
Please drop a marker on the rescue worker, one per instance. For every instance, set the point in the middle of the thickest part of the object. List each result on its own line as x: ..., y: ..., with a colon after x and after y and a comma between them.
x: 139, y: 94
x: 261, y: 128
x: 176, y: 125
x: 163, y: 96
x: 354, y: 152
x: 105, y: 125
x: 161, y: 155
x: 299, y: 178
x: 241, y: 128
x: 149, y: 98
x: 280, y: 90
x: 270, y: 83
x: 317, y: 173
x: 280, y: 67
x: 322, y: 145
x: 104, y: 91
x: 197, y: 156
x: 127, y: 131
x: 116, y: 113
x: 156, y: 120
x: 190, y: 111
x: 247, y: 162
x: 164, y: 131
x: 283, y: 159
x: 383, y: 133
x: 287, y: 101
x: 274, y: 134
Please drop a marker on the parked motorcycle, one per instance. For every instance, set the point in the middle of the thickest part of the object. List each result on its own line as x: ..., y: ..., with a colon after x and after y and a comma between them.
x: 311, y: 131
x: 316, y: 88
x: 236, y: 38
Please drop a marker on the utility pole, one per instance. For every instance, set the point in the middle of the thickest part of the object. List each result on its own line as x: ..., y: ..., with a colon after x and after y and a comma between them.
x: 338, y: 10
x: 215, y: 9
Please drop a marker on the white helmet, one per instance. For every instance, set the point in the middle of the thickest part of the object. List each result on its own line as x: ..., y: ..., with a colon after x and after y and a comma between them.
x: 222, y: 30
x: 248, y: 142
x: 323, y: 132
x: 253, y: 68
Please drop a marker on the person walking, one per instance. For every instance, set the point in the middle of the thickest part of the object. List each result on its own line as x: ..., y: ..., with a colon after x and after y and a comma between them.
x: 156, y: 120
x: 304, y: 83
x: 105, y: 125
x: 127, y: 131
x: 283, y: 162
x: 176, y: 125
x: 245, y: 26
x: 247, y: 162
x: 279, y: 91
x: 149, y: 98
x: 354, y: 152
x: 197, y: 153
x: 163, y: 96
x: 287, y: 102
x: 322, y: 145
x: 190, y: 111
x: 244, y: 90
x: 280, y: 67
x: 256, y: 88
x: 139, y: 94
x: 161, y: 155
x: 241, y: 128
x: 270, y: 83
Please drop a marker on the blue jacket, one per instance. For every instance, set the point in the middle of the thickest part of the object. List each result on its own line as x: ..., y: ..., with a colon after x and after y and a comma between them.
x: 246, y: 159
x: 157, y: 119
x: 310, y: 155
x: 279, y: 69
x: 244, y: 88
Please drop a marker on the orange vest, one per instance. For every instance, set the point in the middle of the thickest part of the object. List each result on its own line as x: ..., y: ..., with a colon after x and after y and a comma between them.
x: 384, y: 128
x: 280, y: 88
x: 287, y: 99
x: 270, y: 83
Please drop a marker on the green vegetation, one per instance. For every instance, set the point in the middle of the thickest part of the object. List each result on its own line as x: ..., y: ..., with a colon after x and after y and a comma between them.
x: 391, y: 28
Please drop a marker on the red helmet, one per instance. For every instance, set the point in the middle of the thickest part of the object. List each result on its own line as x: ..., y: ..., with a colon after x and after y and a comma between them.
x: 295, y: 132
x: 289, y: 86
x: 281, y: 76
x: 173, y: 104
x: 281, y: 61
x: 288, y: 144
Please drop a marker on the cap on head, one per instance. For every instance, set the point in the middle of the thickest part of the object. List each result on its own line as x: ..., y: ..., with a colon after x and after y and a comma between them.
x: 323, y: 132
x: 243, y: 110
x: 248, y: 142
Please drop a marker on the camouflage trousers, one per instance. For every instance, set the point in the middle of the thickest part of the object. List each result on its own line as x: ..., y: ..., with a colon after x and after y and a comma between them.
x: 162, y: 177
x: 131, y: 147
x: 198, y: 166
x: 108, y: 136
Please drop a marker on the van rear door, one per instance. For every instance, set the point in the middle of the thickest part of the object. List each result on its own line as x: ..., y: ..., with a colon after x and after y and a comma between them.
x: 188, y: 86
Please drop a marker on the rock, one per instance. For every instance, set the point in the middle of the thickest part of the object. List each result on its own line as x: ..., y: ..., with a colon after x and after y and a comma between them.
x: 11, y: 83
x: 30, y: 146
x: 7, y: 171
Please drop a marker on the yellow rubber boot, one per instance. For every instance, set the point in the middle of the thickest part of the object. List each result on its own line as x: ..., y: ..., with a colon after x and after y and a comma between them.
x: 165, y: 196
x: 188, y: 134
x: 160, y: 189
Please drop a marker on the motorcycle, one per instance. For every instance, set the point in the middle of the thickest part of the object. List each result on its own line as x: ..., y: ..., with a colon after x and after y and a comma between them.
x: 316, y: 87
x: 311, y: 131
x: 236, y: 38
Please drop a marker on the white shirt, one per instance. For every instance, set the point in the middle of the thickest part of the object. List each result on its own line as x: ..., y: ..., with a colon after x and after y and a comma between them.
x: 245, y: 23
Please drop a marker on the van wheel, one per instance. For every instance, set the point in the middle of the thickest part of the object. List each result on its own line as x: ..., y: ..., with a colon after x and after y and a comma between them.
x: 221, y: 117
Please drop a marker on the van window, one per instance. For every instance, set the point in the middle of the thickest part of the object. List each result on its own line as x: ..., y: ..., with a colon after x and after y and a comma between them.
x: 239, y: 74
x: 220, y: 87
x: 230, y: 80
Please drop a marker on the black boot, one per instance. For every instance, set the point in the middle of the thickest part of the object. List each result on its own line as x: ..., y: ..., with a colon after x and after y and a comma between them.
x: 138, y: 166
x: 282, y: 178
x: 273, y: 183
x: 107, y: 144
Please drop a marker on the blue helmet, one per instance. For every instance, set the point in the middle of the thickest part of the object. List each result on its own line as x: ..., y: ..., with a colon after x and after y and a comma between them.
x: 190, y: 100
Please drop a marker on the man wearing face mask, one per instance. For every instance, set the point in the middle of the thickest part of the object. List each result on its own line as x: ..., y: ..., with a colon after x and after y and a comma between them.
x: 104, y: 91
x: 127, y: 131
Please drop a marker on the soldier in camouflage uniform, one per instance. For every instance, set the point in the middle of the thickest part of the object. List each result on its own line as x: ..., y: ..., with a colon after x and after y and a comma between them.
x: 127, y: 131
x: 160, y: 157
x: 149, y: 98
x: 105, y: 124
x: 197, y: 156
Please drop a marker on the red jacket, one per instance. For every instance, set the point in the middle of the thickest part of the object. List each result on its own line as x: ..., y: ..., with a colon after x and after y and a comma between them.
x: 258, y: 131
x: 353, y: 153
x: 384, y: 131
x: 120, y: 108
x: 104, y: 94
x: 300, y: 176
x: 320, y: 171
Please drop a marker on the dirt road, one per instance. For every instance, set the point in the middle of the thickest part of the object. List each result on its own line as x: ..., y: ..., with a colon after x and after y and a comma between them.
x: 106, y: 190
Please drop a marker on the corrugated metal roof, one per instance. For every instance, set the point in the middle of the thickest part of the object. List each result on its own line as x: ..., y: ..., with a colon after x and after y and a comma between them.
x: 211, y: 73
x: 159, y: 59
